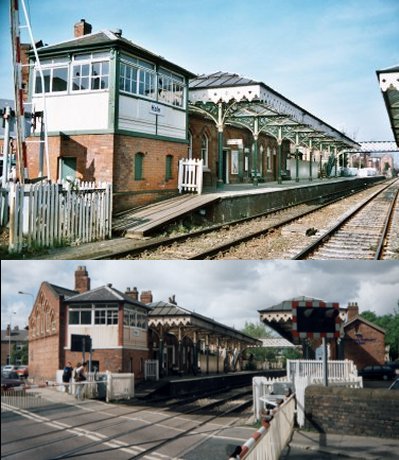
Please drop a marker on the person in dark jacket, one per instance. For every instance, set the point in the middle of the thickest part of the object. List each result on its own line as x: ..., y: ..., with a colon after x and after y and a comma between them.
x: 66, y: 376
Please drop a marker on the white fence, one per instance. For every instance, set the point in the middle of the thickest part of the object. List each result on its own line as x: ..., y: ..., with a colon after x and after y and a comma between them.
x: 107, y: 385
x: 151, y: 369
x: 269, y: 441
x: 337, y: 370
x: 45, y: 215
x: 190, y: 176
x: 262, y: 387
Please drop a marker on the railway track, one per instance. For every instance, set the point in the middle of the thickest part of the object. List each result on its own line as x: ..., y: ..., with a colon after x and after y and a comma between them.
x: 291, y: 227
x: 113, y: 433
x: 367, y: 232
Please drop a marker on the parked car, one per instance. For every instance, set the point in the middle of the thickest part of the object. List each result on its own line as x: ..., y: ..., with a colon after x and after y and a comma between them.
x: 377, y: 372
x: 10, y: 380
x: 7, y: 371
x: 8, y: 368
x: 395, y: 385
x: 22, y: 371
x: 394, y: 365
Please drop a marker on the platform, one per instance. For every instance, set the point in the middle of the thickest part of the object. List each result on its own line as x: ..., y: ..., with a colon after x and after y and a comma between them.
x: 137, y: 223
x: 214, y: 206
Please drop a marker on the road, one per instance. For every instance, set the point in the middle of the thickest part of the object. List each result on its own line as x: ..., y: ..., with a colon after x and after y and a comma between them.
x: 58, y: 427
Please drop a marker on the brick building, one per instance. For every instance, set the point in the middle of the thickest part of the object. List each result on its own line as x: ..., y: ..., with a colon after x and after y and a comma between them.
x: 115, y: 321
x: 115, y: 112
x: 125, y: 330
x: 12, y: 339
x: 119, y: 113
x: 363, y: 341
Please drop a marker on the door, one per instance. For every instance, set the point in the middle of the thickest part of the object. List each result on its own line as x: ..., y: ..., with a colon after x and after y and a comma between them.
x: 67, y: 168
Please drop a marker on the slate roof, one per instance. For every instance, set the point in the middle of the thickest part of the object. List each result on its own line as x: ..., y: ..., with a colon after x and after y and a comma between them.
x: 285, y: 305
x: 221, y: 79
x: 19, y: 335
x: 108, y: 39
x: 169, y: 309
x: 105, y: 293
x: 365, y: 321
x: 62, y: 291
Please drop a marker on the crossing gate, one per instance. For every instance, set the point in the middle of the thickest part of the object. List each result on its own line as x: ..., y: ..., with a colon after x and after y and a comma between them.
x: 190, y: 176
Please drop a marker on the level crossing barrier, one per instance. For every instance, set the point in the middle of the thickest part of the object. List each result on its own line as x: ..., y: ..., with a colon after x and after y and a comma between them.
x: 269, y: 440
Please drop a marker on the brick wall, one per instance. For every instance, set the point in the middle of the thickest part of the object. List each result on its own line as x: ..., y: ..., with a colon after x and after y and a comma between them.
x: 358, y: 411
x: 200, y: 126
x: 93, y: 153
x: 154, y: 186
x: 363, y: 344
x: 45, y: 335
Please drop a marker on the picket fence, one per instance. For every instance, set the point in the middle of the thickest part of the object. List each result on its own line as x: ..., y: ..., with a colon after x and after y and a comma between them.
x: 190, y: 176
x: 46, y: 215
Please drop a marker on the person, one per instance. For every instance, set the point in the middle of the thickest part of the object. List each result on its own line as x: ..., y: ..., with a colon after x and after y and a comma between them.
x: 80, y: 377
x: 66, y: 376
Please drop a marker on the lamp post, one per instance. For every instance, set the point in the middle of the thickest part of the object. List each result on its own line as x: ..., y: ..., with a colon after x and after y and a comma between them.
x: 9, y: 338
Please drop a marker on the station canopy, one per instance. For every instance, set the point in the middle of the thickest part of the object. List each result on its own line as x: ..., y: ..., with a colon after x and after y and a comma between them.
x: 172, y: 317
x: 279, y: 316
x: 229, y: 99
x: 389, y: 84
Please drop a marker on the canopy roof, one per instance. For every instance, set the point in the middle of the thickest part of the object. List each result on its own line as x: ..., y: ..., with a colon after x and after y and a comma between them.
x: 259, y: 108
x: 279, y: 317
x: 389, y: 84
x: 173, y: 316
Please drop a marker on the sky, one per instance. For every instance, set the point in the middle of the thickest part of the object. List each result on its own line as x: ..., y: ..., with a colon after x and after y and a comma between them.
x: 322, y: 55
x: 230, y: 292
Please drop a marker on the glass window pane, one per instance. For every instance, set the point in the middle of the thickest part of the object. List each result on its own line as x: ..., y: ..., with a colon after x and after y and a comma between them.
x: 85, y: 317
x: 60, y: 79
x: 73, y: 317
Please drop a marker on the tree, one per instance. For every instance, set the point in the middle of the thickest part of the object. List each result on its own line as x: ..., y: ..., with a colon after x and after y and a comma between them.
x: 390, y: 323
x: 259, y: 331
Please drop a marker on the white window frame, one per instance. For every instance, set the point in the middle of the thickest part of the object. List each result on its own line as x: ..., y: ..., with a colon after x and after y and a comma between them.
x: 90, y: 60
x: 205, y: 149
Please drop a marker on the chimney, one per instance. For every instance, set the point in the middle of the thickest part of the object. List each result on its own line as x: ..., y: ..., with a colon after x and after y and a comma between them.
x: 82, y: 280
x: 146, y: 297
x: 81, y: 28
x: 132, y: 293
x: 353, y: 310
x: 8, y: 330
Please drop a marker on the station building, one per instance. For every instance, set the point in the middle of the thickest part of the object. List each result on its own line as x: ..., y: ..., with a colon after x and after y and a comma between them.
x: 126, y: 330
x: 360, y: 340
x: 119, y: 113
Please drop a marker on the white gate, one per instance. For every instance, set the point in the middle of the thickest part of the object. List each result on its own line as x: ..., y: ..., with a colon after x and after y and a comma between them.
x: 190, y: 176
x: 151, y: 369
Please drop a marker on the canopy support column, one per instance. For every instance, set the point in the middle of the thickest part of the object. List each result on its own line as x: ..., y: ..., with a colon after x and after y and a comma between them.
x: 279, y: 155
x: 296, y: 158
x: 310, y: 160
x: 220, y: 183
x: 256, y: 135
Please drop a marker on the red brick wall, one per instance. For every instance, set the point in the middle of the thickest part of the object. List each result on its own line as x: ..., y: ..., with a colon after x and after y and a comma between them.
x: 45, y: 339
x: 93, y: 153
x: 364, y: 344
x: 199, y: 126
x: 130, y: 192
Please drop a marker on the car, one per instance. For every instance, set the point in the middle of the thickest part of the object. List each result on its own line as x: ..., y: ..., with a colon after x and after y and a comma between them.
x: 394, y: 365
x: 377, y: 372
x: 395, y: 385
x: 22, y: 371
x: 10, y: 380
x: 8, y: 368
